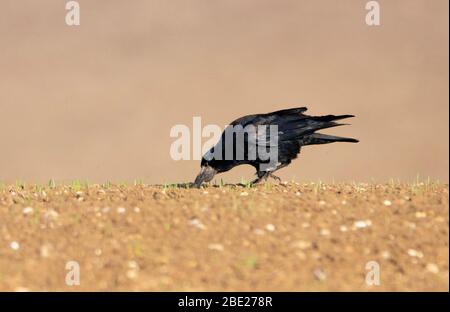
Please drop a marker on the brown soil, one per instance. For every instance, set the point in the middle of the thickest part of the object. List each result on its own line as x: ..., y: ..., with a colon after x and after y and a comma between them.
x: 294, y: 237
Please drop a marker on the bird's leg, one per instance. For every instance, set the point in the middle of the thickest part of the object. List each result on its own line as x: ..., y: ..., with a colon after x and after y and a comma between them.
x: 262, y: 176
x: 259, y: 180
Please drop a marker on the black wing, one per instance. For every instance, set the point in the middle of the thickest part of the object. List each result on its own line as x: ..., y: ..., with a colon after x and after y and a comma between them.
x: 295, y: 129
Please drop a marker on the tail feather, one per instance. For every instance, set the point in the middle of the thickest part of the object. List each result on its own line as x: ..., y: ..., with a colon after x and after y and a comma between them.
x: 327, y: 118
x: 294, y: 130
x: 318, y: 138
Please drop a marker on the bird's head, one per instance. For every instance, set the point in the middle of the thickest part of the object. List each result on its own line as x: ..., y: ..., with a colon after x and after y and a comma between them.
x: 206, y: 174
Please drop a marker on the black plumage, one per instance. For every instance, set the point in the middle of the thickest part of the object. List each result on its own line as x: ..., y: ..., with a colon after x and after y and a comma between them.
x: 294, y: 130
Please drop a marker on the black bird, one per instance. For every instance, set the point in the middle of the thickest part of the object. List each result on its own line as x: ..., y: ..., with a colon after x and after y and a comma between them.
x: 294, y: 130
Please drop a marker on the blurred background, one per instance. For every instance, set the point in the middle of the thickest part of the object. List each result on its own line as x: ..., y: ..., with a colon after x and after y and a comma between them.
x: 96, y: 102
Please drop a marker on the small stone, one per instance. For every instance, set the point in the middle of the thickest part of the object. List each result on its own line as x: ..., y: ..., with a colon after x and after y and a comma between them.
x: 14, y: 245
x: 298, y: 193
x: 305, y: 225
x: 361, y: 224
x: 301, y: 244
x: 216, y: 247
x: 133, y: 268
x: 432, y: 267
x: 387, y: 202
x: 386, y: 254
x: 27, y: 210
x: 320, y: 274
x: 343, y: 228
x: 244, y: 194
x: 324, y: 232
x: 322, y: 203
x: 421, y: 215
x: 415, y: 253
x: 137, y: 209
x: 205, y: 192
x: 270, y: 227
x: 133, y: 265
x: 45, y: 250
x: 197, y: 223
x: 121, y: 210
x: 98, y: 252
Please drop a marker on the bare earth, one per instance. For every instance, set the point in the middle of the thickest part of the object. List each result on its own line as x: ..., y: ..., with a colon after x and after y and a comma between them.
x: 293, y: 237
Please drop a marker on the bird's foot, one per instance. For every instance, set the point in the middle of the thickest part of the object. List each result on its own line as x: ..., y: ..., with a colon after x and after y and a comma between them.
x: 260, y: 179
x: 278, y: 179
x: 264, y: 177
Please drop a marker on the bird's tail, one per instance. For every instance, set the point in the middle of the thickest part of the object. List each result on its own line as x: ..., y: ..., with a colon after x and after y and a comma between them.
x: 327, y: 118
x: 306, y: 125
x: 328, y: 121
x: 297, y: 126
x: 318, y: 138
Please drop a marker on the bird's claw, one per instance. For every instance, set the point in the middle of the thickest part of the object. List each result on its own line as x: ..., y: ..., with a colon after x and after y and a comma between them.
x: 275, y: 177
x: 264, y: 178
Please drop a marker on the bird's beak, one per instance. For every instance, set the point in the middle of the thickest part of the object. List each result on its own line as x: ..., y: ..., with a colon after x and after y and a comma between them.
x: 206, y: 174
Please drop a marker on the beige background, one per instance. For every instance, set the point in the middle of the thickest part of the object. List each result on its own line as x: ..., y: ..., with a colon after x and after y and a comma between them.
x: 97, y: 102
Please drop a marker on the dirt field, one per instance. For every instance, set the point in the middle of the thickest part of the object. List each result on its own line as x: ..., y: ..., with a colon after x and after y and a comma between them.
x: 294, y: 237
